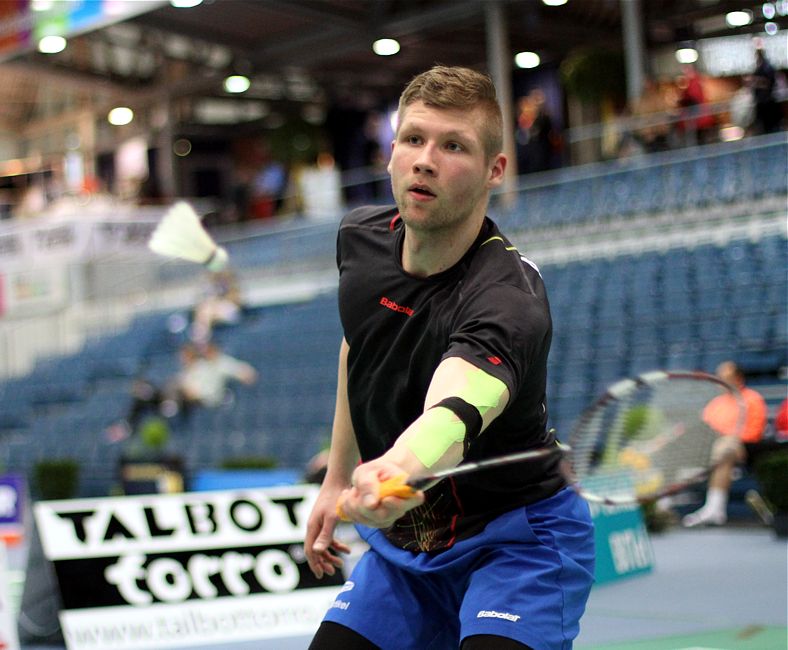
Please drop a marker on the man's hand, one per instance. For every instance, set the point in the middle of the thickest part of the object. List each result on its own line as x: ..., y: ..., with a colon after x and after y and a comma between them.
x: 320, y: 545
x: 362, y: 503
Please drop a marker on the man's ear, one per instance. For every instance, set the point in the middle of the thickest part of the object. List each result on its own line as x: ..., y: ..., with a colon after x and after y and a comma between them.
x: 497, y: 170
x: 388, y: 167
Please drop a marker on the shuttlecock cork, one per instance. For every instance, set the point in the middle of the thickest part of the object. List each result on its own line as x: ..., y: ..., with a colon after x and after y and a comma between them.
x: 181, y: 235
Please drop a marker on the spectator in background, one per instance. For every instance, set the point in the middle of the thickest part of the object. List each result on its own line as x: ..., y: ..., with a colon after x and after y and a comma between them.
x: 697, y: 123
x: 205, y: 382
x: 148, y: 399
x: 722, y: 414
x: 221, y: 304
x: 315, y: 470
x: 203, y: 379
x: 651, y: 109
x: 240, y: 194
x: 762, y: 81
x: 536, y: 139
x: 267, y: 187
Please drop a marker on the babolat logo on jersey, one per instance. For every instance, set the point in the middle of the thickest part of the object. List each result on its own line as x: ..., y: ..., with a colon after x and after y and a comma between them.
x: 486, y: 613
x: 393, y: 306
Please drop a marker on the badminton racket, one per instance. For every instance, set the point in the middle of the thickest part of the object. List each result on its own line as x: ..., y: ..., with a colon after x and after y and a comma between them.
x: 645, y: 438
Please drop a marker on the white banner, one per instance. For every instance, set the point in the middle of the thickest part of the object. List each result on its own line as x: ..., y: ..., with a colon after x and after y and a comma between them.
x: 8, y: 636
x: 32, y: 290
x: 176, y: 626
x: 163, y: 571
x: 121, y: 236
x: 63, y: 242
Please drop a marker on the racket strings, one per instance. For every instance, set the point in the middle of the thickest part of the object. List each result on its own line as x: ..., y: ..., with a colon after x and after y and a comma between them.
x: 650, y: 435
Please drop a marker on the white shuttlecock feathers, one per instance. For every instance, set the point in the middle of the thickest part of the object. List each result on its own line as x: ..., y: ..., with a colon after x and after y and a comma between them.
x: 180, y: 234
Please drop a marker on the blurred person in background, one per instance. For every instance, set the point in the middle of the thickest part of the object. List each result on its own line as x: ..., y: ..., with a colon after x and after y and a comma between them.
x: 535, y: 137
x: 651, y: 108
x: 220, y: 305
x: 148, y: 399
x: 447, y: 330
x: 206, y: 381
x: 267, y: 187
x: 722, y: 414
x: 203, y: 380
x: 697, y: 123
x: 762, y: 82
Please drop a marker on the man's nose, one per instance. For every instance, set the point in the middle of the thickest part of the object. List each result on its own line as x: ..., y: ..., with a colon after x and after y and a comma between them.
x: 425, y: 162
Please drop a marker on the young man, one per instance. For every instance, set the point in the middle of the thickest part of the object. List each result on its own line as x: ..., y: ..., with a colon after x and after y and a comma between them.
x: 447, y: 330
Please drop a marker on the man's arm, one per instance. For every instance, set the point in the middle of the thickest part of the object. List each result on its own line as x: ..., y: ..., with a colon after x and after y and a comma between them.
x: 343, y: 456
x: 462, y: 400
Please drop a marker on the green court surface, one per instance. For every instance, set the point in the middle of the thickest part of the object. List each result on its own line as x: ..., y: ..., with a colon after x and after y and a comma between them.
x: 754, y: 637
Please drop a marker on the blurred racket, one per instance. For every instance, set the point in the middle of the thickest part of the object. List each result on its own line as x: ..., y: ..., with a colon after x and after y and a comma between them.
x: 645, y: 438
x: 654, y: 435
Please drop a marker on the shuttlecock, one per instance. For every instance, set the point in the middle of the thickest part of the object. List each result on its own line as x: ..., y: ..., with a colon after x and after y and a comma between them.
x: 180, y: 234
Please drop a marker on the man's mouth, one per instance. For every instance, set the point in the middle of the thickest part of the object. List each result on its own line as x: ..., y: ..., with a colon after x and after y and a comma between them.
x: 421, y: 190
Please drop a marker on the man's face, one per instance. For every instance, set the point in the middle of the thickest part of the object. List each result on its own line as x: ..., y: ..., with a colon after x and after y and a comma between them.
x: 727, y: 372
x: 440, y: 174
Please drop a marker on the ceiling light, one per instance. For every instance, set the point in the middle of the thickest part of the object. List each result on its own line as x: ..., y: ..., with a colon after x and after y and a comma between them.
x: 554, y: 3
x: 770, y: 28
x: 51, y: 44
x: 185, y: 4
x: 527, y: 59
x: 687, y: 55
x: 120, y: 116
x: 738, y: 18
x: 237, y: 83
x: 385, y: 46
x: 768, y: 10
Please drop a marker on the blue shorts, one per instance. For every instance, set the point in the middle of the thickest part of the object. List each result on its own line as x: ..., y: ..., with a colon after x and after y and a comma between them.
x: 526, y: 576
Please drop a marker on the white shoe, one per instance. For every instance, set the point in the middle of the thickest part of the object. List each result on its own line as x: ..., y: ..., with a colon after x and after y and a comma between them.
x: 704, y: 517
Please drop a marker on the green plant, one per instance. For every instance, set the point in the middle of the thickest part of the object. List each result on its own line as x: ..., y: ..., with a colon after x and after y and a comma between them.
x: 155, y: 433
x: 56, y: 478
x: 249, y: 462
x: 772, y: 471
x: 594, y: 73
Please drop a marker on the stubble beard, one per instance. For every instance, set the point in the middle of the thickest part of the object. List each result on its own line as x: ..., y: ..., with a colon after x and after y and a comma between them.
x: 436, y: 217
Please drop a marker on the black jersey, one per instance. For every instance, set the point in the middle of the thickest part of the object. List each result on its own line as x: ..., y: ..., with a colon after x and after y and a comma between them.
x: 491, y: 310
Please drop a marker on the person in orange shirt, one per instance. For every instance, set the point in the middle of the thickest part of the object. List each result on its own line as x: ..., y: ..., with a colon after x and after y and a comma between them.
x: 723, y: 414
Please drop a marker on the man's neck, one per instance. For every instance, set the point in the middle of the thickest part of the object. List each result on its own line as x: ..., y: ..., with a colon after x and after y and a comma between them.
x: 426, y: 253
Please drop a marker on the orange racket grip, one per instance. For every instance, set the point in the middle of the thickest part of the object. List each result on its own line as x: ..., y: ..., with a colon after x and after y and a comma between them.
x: 395, y: 486
x: 340, y: 511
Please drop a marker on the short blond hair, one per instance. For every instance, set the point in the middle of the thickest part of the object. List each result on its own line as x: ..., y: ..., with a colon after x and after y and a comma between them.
x: 456, y: 87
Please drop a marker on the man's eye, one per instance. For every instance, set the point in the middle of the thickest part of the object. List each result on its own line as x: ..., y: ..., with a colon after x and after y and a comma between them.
x: 413, y: 139
x: 454, y: 146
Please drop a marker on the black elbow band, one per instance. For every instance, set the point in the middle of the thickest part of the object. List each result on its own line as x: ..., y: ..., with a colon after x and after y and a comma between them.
x: 467, y: 413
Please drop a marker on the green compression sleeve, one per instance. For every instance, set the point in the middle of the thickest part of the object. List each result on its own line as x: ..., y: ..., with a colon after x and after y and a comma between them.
x: 439, y: 427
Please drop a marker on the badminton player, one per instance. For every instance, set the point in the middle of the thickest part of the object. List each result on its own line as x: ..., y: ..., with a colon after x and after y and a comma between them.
x: 446, y: 335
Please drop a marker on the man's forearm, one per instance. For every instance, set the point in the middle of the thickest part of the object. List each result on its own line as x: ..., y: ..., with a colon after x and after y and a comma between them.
x: 343, y: 455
